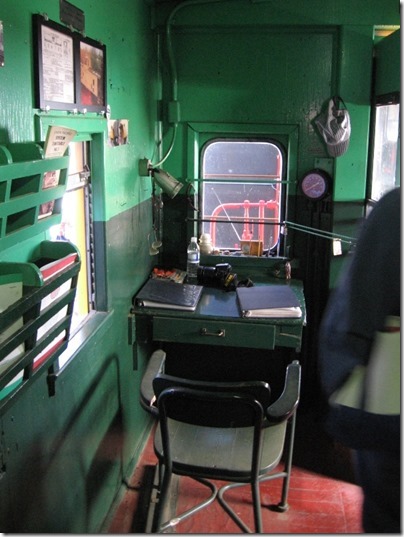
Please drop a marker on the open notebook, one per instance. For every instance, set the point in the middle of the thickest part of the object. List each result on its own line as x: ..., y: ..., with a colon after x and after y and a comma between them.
x: 268, y: 301
x: 168, y: 294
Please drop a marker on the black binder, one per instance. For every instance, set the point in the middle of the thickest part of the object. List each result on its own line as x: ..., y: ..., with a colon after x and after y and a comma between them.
x: 168, y: 294
x: 268, y: 301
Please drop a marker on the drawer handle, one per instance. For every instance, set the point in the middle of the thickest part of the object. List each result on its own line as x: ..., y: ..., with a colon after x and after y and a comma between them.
x: 219, y: 333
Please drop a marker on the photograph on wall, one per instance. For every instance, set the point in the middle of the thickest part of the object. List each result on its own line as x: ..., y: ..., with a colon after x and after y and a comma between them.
x: 117, y: 132
x: 46, y: 209
x: 50, y: 179
x: 92, y: 74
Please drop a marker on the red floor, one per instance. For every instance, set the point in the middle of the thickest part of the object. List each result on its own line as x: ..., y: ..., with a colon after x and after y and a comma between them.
x: 317, y: 503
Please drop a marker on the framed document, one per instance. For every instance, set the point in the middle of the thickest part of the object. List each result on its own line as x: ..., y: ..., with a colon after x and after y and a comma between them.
x: 54, y: 65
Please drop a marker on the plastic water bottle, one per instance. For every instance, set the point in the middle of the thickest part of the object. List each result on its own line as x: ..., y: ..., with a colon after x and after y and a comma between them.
x: 193, y: 256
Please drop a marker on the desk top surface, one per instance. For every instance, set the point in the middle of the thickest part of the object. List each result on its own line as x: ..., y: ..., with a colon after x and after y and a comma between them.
x: 217, y: 303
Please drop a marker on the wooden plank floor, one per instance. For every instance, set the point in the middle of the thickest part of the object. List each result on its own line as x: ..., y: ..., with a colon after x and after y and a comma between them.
x: 323, y: 497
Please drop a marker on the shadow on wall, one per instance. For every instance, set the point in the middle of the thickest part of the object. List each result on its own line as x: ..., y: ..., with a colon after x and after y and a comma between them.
x: 70, y: 473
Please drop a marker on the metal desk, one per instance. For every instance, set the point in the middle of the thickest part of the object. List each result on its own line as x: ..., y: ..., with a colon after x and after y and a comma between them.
x: 217, y: 321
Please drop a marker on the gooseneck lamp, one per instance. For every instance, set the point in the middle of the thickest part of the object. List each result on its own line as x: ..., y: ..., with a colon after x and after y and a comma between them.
x: 168, y: 184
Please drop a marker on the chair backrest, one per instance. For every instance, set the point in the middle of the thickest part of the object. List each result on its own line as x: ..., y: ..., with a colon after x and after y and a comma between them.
x: 212, y: 404
x: 200, y: 414
x: 210, y: 409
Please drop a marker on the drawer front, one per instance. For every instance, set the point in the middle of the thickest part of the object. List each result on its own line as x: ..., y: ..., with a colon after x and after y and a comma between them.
x: 225, y: 333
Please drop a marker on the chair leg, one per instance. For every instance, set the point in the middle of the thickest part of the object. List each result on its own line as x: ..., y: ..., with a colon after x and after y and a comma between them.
x: 160, y: 466
x: 164, y: 482
x: 283, y: 505
x: 286, y: 473
x: 255, y: 489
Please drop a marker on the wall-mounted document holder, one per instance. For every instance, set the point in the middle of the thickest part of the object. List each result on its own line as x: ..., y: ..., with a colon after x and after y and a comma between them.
x: 31, y: 191
x: 36, y: 305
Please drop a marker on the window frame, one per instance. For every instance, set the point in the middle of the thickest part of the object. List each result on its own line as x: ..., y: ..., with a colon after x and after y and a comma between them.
x: 264, y: 140
x: 199, y: 134
x: 91, y: 130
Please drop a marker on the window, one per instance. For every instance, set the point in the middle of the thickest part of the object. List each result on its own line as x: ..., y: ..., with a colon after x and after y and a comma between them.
x: 241, y: 195
x: 76, y: 226
x: 385, y: 168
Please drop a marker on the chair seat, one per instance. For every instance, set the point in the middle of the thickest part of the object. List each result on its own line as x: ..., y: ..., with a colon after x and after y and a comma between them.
x: 220, y: 453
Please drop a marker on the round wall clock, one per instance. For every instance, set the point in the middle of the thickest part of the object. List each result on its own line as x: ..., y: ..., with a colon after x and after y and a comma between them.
x: 315, y: 184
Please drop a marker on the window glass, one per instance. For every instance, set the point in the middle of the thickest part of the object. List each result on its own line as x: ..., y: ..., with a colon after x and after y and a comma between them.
x: 386, y: 136
x: 241, y: 194
x: 75, y: 226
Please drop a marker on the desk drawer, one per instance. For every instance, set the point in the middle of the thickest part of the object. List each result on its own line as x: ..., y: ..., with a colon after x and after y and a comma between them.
x: 225, y: 333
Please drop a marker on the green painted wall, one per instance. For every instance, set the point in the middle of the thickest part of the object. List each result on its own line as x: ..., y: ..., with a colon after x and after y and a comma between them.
x: 124, y: 27
x: 63, y: 459
x: 278, y: 63
x: 291, y: 58
x: 388, y: 64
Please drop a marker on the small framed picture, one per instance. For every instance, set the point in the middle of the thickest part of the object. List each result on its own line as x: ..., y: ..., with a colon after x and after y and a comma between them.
x: 54, y: 65
x: 91, y: 75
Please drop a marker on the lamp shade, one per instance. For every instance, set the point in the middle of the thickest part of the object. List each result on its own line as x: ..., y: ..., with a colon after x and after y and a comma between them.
x: 166, y: 182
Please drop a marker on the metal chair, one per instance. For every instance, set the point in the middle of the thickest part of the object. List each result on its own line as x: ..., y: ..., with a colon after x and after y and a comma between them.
x: 222, y: 431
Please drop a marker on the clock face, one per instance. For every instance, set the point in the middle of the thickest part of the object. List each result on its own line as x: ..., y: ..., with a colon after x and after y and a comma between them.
x: 315, y: 185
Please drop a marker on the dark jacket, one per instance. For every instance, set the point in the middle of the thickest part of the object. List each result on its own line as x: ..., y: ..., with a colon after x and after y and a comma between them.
x: 368, y: 291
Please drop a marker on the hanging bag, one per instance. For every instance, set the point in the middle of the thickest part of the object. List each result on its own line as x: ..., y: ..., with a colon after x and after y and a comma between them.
x: 334, y: 125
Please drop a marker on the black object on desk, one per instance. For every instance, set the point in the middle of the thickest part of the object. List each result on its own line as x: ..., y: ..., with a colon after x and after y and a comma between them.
x: 168, y: 295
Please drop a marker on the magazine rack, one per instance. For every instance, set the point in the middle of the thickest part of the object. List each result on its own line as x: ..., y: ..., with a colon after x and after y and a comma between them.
x: 34, y: 330
x: 23, y: 191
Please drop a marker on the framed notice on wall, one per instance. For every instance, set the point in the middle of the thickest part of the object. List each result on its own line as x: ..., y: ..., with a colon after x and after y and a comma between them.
x: 54, y: 65
x: 70, y: 70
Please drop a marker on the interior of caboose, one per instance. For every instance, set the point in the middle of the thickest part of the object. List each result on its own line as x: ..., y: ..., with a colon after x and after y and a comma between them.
x: 126, y: 129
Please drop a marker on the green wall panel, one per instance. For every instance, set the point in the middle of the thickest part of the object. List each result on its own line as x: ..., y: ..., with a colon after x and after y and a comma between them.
x: 65, y: 457
x: 252, y: 12
x: 273, y: 66
x: 124, y: 27
x: 388, y: 64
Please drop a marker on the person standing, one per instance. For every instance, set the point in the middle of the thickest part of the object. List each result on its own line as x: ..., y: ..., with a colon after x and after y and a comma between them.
x: 367, y: 294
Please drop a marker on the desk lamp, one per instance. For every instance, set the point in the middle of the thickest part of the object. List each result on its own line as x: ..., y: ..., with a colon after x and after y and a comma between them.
x: 168, y: 184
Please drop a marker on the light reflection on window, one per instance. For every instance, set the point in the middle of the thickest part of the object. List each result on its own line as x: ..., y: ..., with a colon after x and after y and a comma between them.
x: 74, y: 227
x: 385, y: 169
